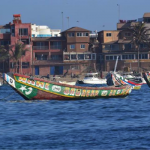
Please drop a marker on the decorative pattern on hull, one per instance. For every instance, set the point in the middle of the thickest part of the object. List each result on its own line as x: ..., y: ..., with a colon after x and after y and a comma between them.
x: 44, y: 89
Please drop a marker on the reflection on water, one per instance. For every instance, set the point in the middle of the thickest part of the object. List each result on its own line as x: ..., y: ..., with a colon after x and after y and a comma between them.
x: 113, y: 123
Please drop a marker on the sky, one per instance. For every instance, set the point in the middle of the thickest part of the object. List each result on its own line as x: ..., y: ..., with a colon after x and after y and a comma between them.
x: 89, y: 14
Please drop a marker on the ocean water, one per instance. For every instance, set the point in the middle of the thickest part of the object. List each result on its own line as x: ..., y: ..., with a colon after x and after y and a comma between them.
x: 113, y: 123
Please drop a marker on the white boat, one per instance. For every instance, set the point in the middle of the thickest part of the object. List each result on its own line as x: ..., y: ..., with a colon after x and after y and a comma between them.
x: 92, y: 78
x: 68, y: 83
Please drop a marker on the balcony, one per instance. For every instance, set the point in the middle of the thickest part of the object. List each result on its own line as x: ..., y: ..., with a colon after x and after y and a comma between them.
x: 47, y: 62
x: 55, y: 47
x: 79, y: 56
x: 40, y: 47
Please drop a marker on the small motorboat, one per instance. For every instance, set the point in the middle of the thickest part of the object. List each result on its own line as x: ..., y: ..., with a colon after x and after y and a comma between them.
x: 92, y: 78
x: 67, y: 82
x: 39, y: 89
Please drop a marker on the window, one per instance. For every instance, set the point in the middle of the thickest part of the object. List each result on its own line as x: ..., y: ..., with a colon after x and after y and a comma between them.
x: 87, y: 56
x: 41, y: 56
x: 4, y: 43
x: 71, y: 34
x: 3, y: 31
x: 25, y: 64
x: 67, y: 57
x: 82, y: 34
x: 142, y: 56
x: 55, y: 57
x: 93, y: 56
x: 130, y: 56
x: 85, y: 34
x: 23, y: 31
x: 127, y: 34
x: 55, y: 45
x: 80, y: 56
x: 109, y: 57
x: 72, y: 46
x: 127, y: 46
x: 82, y: 46
x: 73, y: 57
x: 79, y: 34
x: 143, y: 46
x: 108, y: 34
x: 115, y: 57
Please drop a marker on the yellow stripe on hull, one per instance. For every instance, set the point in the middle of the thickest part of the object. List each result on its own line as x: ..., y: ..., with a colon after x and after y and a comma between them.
x: 137, y: 87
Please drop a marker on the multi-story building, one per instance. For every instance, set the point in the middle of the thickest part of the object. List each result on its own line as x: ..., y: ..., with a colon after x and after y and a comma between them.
x: 77, y: 55
x: 70, y: 52
x: 44, y: 31
x: 118, y: 43
x: 9, y: 35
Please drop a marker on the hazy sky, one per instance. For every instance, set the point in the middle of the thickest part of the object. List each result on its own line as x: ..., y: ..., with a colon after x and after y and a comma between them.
x: 91, y: 14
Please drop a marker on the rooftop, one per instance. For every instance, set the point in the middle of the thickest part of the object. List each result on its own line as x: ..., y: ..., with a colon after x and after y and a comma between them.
x: 146, y: 15
x: 76, y: 29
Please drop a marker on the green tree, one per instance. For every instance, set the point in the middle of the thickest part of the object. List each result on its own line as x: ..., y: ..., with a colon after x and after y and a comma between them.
x: 16, y: 52
x: 4, y: 54
x: 139, y: 36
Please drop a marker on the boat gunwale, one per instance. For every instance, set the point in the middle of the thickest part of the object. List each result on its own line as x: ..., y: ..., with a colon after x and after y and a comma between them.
x: 74, y: 86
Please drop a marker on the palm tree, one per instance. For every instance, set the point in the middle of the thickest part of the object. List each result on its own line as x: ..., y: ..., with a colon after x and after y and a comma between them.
x: 139, y: 36
x: 4, y: 54
x: 17, y: 51
x: 4, y: 51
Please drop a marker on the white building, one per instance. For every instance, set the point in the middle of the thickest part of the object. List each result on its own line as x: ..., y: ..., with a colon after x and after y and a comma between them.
x: 44, y: 31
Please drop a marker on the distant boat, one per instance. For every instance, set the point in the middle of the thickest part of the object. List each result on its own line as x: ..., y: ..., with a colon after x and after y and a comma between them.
x: 124, y: 81
x: 36, y: 89
x: 91, y: 78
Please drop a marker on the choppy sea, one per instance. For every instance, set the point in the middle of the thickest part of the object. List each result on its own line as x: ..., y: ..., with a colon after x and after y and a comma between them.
x: 113, y: 123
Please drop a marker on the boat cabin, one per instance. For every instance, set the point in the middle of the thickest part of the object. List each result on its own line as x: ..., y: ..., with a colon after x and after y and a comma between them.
x: 91, y: 75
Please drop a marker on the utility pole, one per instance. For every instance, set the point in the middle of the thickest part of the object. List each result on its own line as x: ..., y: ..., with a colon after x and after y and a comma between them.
x: 20, y: 42
x: 31, y: 53
x: 77, y: 23
x: 118, y: 12
x: 62, y: 21
x: 68, y: 22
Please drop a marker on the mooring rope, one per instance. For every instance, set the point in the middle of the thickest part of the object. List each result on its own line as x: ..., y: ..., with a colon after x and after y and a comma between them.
x: 7, y: 96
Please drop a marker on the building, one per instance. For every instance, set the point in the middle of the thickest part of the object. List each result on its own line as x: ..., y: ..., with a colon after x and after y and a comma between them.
x: 72, y: 51
x: 118, y: 43
x: 69, y: 53
x: 78, y: 57
x: 9, y: 35
x: 44, y: 31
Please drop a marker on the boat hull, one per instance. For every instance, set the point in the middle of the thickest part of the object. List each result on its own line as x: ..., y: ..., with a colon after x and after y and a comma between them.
x: 38, y: 89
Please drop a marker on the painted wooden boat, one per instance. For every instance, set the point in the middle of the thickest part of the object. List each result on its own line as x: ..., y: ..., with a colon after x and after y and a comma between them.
x: 119, y: 80
x: 135, y: 86
x: 36, y: 89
